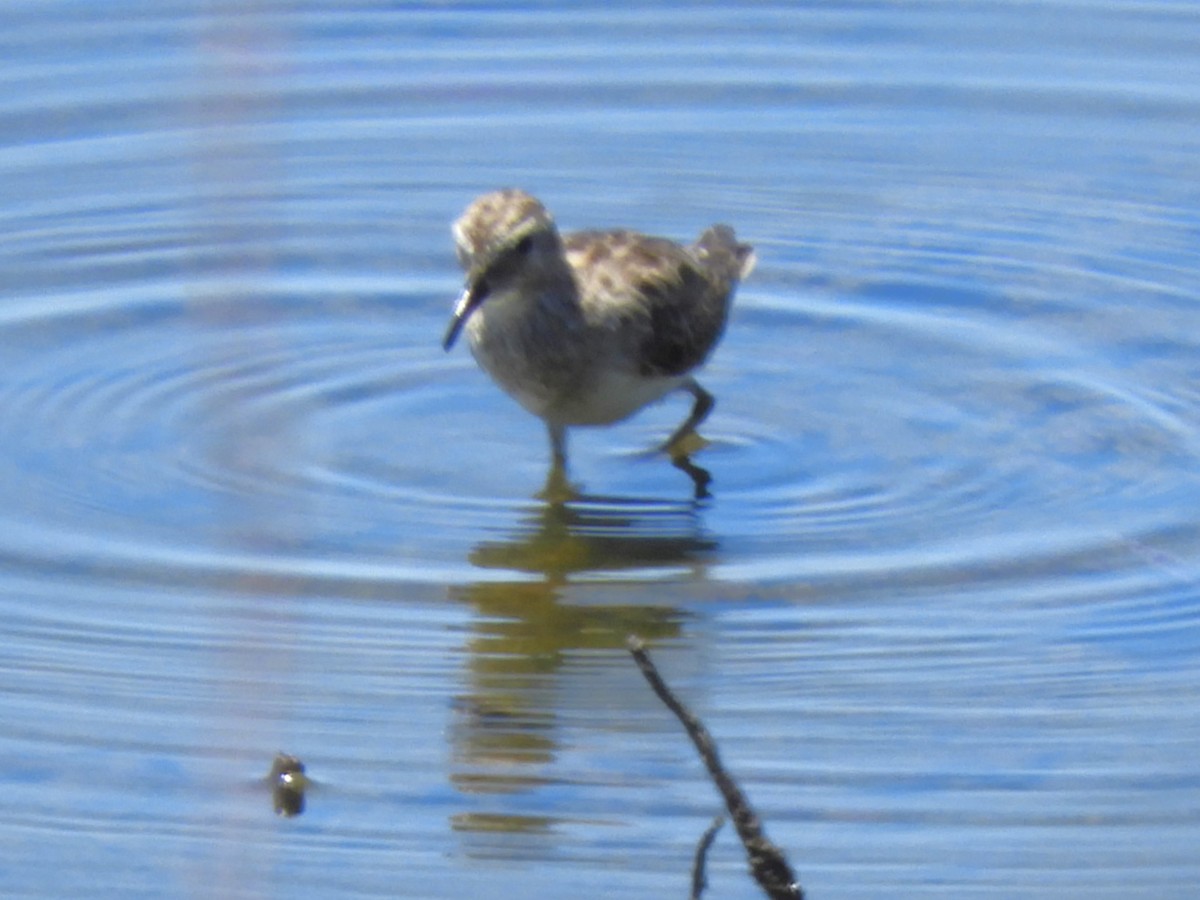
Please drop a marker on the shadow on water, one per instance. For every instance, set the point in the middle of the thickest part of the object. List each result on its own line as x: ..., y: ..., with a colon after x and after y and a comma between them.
x: 506, y: 722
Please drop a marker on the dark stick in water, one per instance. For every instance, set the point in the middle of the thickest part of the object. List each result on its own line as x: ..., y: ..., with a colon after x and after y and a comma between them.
x: 699, y: 881
x: 768, y: 865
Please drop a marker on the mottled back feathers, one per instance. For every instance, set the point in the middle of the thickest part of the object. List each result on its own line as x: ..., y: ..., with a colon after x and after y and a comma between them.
x: 683, y: 294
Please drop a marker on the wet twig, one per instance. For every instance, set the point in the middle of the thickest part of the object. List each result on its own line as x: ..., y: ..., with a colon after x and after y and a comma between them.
x: 768, y: 865
x: 699, y: 881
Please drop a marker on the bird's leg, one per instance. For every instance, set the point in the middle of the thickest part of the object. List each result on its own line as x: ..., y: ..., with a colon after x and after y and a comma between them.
x: 558, y: 445
x: 557, y: 488
x: 701, y: 477
x: 700, y: 410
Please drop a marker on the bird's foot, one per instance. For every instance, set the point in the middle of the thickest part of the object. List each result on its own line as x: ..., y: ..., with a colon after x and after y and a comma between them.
x: 701, y: 477
x: 682, y: 444
x: 558, y: 489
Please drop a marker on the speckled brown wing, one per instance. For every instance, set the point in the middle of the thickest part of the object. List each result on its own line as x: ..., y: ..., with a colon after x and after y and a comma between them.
x: 682, y: 302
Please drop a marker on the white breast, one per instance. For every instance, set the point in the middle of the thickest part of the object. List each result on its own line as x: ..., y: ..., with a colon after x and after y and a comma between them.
x: 613, y: 395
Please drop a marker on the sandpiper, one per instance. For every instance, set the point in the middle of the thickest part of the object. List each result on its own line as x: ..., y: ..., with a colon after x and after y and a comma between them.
x: 587, y: 328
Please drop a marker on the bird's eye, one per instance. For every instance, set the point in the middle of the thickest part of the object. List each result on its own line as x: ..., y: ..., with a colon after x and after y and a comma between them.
x: 525, y: 245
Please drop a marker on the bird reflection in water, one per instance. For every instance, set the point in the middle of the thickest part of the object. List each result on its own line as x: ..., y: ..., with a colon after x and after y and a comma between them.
x: 616, y: 558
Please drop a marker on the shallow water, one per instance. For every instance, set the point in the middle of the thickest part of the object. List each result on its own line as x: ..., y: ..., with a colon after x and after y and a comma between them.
x: 942, y: 611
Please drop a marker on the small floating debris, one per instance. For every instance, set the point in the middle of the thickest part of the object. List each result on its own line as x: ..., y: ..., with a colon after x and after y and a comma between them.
x: 288, y: 784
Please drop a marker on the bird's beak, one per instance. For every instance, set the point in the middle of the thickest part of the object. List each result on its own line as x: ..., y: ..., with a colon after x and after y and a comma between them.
x: 467, y: 303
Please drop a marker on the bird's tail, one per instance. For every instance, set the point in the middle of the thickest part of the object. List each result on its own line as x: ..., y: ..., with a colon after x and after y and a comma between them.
x: 718, y: 249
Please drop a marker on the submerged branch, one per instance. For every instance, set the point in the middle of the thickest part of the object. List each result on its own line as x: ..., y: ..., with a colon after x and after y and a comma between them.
x: 699, y: 881
x: 768, y: 865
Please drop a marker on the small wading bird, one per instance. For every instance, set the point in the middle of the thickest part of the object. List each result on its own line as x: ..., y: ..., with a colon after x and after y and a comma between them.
x: 587, y: 328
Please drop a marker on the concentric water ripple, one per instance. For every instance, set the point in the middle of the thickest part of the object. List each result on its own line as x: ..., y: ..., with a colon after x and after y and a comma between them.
x: 857, y: 422
x: 941, y: 609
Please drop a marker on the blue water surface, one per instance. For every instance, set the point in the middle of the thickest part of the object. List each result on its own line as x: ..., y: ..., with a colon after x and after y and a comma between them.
x: 942, y: 610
